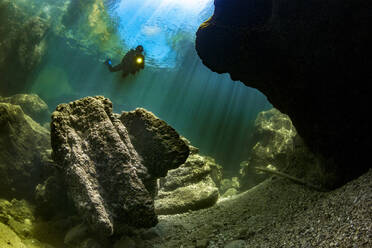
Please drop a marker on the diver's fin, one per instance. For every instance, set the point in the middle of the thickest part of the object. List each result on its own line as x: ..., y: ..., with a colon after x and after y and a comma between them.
x: 108, y: 62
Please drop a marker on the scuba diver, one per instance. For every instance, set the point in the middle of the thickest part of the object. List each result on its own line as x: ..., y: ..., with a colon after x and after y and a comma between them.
x: 132, y: 62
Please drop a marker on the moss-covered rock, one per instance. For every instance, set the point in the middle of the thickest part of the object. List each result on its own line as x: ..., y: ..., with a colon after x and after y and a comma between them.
x: 31, y: 104
x: 202, y: 194
x: 192, y: 186
x: 230, y: 192
x: 22, y: 45
x: 278, y: 146
x: 8, y: 239
x: 23, y: 144
x: 226, y: 184
x: 20, y: 217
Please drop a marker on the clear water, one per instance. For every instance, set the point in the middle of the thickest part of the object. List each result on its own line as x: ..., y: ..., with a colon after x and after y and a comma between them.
x: 213, y: 112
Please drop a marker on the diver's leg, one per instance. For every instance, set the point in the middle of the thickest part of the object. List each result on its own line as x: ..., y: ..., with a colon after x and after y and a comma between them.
x: 125, y: 74
x: 115, y: 68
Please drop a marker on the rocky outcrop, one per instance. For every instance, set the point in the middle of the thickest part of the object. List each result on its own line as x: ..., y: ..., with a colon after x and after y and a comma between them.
x: 104, y: 173
x: 22, y: 45
x: 311, y: 59
x: 278, y: 146
x: 31, y: 104
x: 23, y: 145
x: 192, y: 186
x: 157, y: 143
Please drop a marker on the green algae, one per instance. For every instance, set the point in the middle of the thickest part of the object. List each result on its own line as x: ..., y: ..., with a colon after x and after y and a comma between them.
x: 8, y: 238
x: 20, y: 226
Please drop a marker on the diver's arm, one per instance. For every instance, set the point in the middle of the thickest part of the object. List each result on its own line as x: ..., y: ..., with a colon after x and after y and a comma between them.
x: 111, y: 68
x: 115, y: 68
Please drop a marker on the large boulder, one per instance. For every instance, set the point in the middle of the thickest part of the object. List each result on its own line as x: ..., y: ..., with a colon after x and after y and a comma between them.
x: 311, y: 59
x: 199, y: 195
x: 191, y: 186
x: 157, y: 143
x: 104, y: 174
x: 31, y: 104
x: 277, y: 146
x: 24, y: 148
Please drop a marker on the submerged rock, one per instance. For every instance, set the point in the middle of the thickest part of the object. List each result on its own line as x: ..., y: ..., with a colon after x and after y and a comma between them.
x: 279, y: 147
x: 31, y: 104
x: 8, y: 238
x: 189, y: 187
x: 23, y: 144
x: 18, y: 215
x: 230, y: 185
x: 157, y: 143
x: 104, y: 173
x: 22, y: 44
x: 202, y: 194
x: 230, y: 192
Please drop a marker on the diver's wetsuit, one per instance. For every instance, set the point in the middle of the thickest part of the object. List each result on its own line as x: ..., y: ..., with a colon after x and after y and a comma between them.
x: 128, y: 64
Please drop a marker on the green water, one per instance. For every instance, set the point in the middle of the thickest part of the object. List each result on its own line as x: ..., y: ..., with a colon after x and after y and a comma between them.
x: 213, y: 112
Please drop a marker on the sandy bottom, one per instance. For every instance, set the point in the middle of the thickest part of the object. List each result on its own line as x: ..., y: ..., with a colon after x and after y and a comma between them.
x: 276, y: 213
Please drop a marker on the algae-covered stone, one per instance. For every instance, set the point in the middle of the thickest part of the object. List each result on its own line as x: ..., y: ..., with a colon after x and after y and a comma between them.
x: 229, y: 187
x: 19, y: 215
x: 22, y: 44
x: 230, y: 192
x: 193, y: 171
x: 192, y: 186
x: 22, y: 145
x: 31, y: 104
x: 8, y: 239
x: 278, y: 146
x: 229, y: 183
x: 202, y: 194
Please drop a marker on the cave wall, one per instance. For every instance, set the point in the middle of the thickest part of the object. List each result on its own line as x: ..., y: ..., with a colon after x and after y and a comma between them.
x: 312, y: 59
